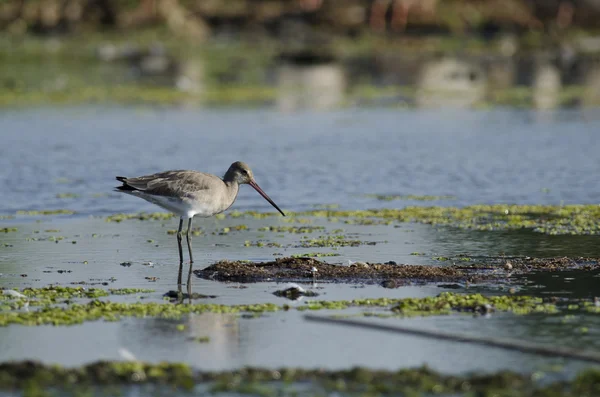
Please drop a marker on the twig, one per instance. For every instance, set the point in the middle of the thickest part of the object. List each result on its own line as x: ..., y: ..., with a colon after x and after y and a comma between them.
x: 506, y: 344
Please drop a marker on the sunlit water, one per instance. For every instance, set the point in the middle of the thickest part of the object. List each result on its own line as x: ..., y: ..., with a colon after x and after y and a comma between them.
x: 301, y: 160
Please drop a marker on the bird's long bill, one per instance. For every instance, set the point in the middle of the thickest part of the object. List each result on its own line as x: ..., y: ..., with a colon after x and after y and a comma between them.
x: 262, y: 193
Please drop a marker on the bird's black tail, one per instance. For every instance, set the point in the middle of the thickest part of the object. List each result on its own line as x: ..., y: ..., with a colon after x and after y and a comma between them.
x: 125, y: 187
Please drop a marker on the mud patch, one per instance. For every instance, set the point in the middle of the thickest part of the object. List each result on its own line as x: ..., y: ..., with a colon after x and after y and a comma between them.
x: 390, y: 275
x: 294, y: 269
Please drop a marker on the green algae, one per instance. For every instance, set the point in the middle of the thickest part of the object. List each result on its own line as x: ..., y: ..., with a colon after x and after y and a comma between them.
x: 446, y: 303
x: 46, y: 212
x: 111, y: 311
x: 58, y: 294
x: 142, y: 216
x: 129, y: 291
x: 548, y: 219
x: 262, y: 244
x: 34, y: 376
x: 443, y: 304
x: 67, y: 195
x: 291, y: 229
x: 331, y: 241
x: 414, y: 197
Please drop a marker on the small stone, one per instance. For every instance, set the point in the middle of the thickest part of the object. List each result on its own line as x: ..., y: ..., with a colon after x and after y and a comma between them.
x: 508, y: 266
x: 389, y: 284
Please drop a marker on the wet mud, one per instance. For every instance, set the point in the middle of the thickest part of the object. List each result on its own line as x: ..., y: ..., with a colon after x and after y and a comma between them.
x: 390, y: 275
x: 307, y: 269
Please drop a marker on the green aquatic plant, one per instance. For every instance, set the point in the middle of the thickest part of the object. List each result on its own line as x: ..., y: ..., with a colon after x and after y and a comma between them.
x: 446, y: 303
x: 414, y: 197
x: 77, y: 313
x: 142, y: 216
x: 291, y: 229
x: 331, y: 241
x: 46, y: 212
x: 261, y: 244
x: 129, y: 291
x: 548, y: 219
x: 67, y: 195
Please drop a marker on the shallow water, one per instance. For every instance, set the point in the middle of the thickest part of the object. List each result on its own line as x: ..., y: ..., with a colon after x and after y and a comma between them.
x: 301, y: 160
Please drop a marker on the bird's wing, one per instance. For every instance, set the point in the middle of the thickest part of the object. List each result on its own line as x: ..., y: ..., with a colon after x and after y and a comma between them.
x: 173, y: 183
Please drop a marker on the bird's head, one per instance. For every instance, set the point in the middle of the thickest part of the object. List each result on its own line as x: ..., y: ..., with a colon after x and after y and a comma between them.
x: 240, y: 173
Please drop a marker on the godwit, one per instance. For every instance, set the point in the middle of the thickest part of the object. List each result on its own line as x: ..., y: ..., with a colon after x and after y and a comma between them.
x: 191, y: 193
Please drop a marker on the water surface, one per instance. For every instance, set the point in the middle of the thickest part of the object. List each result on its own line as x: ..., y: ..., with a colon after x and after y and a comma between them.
x: 302, y: 160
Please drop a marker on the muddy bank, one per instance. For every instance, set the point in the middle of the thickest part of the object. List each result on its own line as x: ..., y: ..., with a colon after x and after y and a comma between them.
x: 294, y: 269
x: 390, y: 274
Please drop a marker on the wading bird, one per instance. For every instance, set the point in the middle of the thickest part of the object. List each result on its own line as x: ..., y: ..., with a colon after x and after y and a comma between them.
x: 191, y: 193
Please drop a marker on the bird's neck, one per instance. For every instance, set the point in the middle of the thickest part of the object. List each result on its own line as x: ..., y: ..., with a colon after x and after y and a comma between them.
x: 231, y: 188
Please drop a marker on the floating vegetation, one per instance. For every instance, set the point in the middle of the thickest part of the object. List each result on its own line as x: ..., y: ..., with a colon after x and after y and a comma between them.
x: 447, y: 302
x: 228, y: 229
x: 331, y: 241
x: 46, y: 212
x: 549, y: 219
x: 67, y: 195
x: 142, y: 216
x: 58, y: 294
x: 261, y: 244
x: 8, y: 229
x: 414, y: 197
x: 129, y: 291
x: 77, y: 313
x: 367, y: 221
x: 291, y: 229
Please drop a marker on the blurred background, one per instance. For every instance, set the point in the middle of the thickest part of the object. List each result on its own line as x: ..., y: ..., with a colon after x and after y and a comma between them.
x: 301, y: 54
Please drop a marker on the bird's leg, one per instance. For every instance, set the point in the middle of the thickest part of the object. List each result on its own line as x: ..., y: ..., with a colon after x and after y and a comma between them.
x: 179, y: 294
x: 180, y: 251
x: 189, y: 285
x: 189, y: 242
